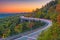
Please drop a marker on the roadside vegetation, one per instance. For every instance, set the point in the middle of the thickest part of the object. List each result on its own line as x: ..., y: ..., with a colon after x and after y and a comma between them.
x: 50, y: 11
x: 12, y: 25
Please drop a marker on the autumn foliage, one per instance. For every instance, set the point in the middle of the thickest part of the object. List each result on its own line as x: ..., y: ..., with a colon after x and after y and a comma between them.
x: 58, y: 8
x: 58, y: 19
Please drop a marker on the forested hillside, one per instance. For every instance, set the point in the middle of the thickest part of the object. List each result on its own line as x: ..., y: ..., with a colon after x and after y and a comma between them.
x: 12, y: 25
x: 50, y: 11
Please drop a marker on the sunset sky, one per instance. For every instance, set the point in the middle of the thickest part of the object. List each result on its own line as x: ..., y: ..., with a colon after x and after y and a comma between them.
x: 15, y: 6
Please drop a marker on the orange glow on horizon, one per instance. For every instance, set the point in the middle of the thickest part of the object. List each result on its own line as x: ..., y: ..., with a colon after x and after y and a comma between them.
x: 15, y: 7
x: 23, y: 6
x: 16, y: 10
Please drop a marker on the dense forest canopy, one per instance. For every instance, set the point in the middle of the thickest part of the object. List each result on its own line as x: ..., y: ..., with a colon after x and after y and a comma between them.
x: 12, y: 25
x: 51, y: 11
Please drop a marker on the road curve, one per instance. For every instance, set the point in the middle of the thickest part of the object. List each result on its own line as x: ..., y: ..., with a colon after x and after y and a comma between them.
x: 34, y: 35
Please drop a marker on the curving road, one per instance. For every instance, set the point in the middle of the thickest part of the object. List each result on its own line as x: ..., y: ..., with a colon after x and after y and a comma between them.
x: 34, y: 35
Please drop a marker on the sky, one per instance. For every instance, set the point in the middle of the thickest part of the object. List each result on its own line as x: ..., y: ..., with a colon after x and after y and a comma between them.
x: 16, y: 6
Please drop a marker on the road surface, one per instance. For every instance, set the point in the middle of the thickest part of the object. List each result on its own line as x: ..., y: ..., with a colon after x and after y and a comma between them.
x: 34, y: 35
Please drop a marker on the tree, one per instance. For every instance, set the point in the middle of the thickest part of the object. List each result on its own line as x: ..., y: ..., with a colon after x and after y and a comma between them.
x: 18, y: 28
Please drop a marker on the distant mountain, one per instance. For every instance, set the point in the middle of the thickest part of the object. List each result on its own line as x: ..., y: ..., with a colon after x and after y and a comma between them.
x: 14, y: 14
